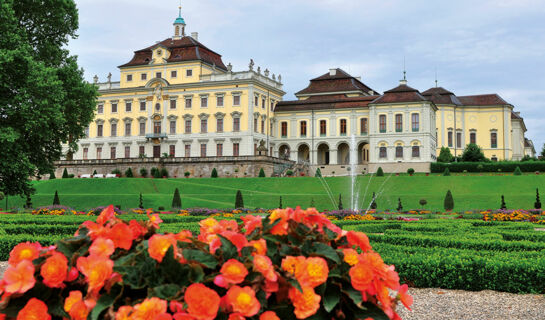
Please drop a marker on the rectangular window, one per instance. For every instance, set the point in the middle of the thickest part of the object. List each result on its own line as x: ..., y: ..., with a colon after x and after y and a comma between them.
x: 85, y: 153
x: 236, y: 100
x: 219, y: 125
x: 416, y: 152
x: 204, y: 126
x: 142, y: 105
x: 343, y: 127
x: 458, y: 139
x: 100, y: 109
x: 219, y: 150
x: 415, y: 122
x: 323, y: 128
x: 236, y: 124
x: 113, y: 128
x: 204, y: 102
x: 129, y: 77
x: 99, y: 153
x: 493, y: 140
x: 174, y: 74
x: 399, y: 152
x: 172, y: 150
x: 271, y: 131
x: 128, y: 106
x: 114, y: 107
x: 157, y: 127
x: 263, y: 126
x: 203, y: 149
x: 255, y: 125
x: 144, y: 76
x: 141, y: 151
x: 188, y: 103
x: 284, y: 129
x: 187, y: 150
x: 158, y: 75
x: 172, y: 104
x: 382, y: 123
x: 473, y: 137
x: 449, y: 138
x: 128, y: 129
x: 113, y: 153
x: 256, y: 101
x: 263, y: 103
x: 189, y: 73
x: 271, y: 105
x: 127, y: 152
x: 382, y: 153
x: 142, y: 129
x: 99, y: 130
x: 188, y: 126
x: 173, y: 127
x: 363, y: 126
x: 236, y: 148
x: 219, y: 101
x: 399, y: 123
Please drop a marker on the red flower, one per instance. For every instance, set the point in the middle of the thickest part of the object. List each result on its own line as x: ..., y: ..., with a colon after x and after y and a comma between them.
x: 35, y: 309
x: 358, y: 239
x: 137, y: 229
x: 19, y: 279
x: 404, y: 296
x: 106, y: 215
x: 54, y: 270
x: 202, y: 303
x: 268, y: 315
x: 121, y: 235
x: 264, y: 265
x: 243, y: 301
x: 149, y: 309
x: 24, y: 251
x: 251, y: 223
x: 158, y: 246
x: 306, y: 303
x: 102, y: 247
x: 233, y: 271
x: 96, y: 269
x: 313, y: 272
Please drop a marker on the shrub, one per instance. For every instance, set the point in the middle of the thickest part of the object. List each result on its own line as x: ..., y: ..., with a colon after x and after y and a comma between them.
x: 164, y: 173
x: 423, y: 202
x: 52, y: 175
x: 537, y: 204
x: 161, y: 208
x: 154, y: 172
x: 380, y: 172
x: 446, y: 173
x: 214, y: 173
x: 410, y: 171
x: 128, y: 173
x: 261, y: 173
x: 517, y: 171
x: 176, y: 200
x: 399, y: 205
x: 280, y: 202
x: 65, y: 174
x: 289, y: 173
x: 445, y: 155
x: 144, y: 172
x: 2, y: 196
x: 94, y: 172
x: 318, y: 173
x: 340, y: 205
x: 187, y: 174
x: 239, y: 201
x: 117, y: 172
x: 189, y: 272
x: 505, y: 166
x: 473, y: 153
x: 28, y: 202
x: 56, y: 200
x: 141, y: 202
x: 502, y: 205
x: 373, y: 202
x: 449, y: 201
x: 312, y: 204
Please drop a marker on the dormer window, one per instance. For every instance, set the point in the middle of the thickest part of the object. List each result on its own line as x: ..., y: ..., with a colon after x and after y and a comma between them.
x: 158, y: 75
x: 159, y: 52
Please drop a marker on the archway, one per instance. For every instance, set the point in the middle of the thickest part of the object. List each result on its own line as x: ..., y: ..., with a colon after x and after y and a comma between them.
x: 343, y: 153
x: 303, y: 153
x: 363, y: 153
x: 284, y: 151
x: 323, y: 154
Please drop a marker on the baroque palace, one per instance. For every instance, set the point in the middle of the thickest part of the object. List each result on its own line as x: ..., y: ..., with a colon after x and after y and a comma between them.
x: 178, y: 103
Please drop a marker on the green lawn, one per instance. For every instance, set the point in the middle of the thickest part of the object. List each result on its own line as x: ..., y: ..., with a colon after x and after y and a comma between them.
x: 470, y: 192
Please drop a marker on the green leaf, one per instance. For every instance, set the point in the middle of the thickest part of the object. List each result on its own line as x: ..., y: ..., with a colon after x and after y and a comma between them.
x: 294, y: 283
x: 166, y: 291
x: 372, y: 311
x: 326, y: 251
x: 105, y: 301
x: 196, y: 274
x: 230, y: 251
x: 332, y: 297
x: 354, y: 295
x: 201, y: 257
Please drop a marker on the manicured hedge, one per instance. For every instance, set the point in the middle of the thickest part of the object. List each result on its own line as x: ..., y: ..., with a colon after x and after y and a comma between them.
x: 504, y: 166
x: 40, y: 229
x: 7, y: 242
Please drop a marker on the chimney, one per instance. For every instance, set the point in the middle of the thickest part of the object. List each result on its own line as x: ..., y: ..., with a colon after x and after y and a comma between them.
x: 195, y: 35
x: 332, y: 72
x: 358, y: 78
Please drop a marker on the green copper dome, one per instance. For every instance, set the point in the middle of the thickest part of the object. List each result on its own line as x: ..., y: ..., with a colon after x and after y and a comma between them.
x: 179, y: 20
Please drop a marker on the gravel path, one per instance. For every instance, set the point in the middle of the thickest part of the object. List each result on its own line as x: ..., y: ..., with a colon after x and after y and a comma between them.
x: 439, y: 304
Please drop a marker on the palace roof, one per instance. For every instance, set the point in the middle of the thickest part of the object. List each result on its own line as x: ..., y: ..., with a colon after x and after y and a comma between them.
x: 482, y: 100
x: 338, y: 101
x: 401, y: 93
x: 338, y: 82
x: 184, y: 49
x: 440, y: 95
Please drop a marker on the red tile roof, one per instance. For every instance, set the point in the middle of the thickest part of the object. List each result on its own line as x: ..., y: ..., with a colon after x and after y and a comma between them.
x: 338, y: 101
x: 482, y: 100
x: 184, y: 49
x: 340, y: 82
x: 516, y: 116
x: 440, y: 95
x: 401, y: 93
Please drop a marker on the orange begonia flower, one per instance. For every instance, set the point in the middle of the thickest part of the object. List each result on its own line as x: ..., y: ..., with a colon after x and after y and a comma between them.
x: 260, y: 246
x: 96, y: 269
x: 236, y: 316
x: 73, y: 297
x: 251, y: 223
x: 306, y: 303
x: 404, y: 297
x: 202, y: 302
x: 79, y: 311
x: 158, y: 246
x: 95, y: 230
x: 281, y: 228
x: 102, y: 247
x: 292, y: 265
x: 233, y: 271
x: 264, y: 265
x: 121, y: 235
x: 361, y: 276
x: 137, y: 229
x: 19, y: 279
x: 243, y: 301
x: 154, y: 220
x: 313, y: 272
x: 183, y: 316
x: 123, y: 313
x: 268, y: 315
x: 351, y: 256
x: 24, y: 251
x: 106, y: 215
x: 35, y: 309
x: 358, y: 239
x: 149, y: 309
x: 54, y: 270
x: 184, y: 236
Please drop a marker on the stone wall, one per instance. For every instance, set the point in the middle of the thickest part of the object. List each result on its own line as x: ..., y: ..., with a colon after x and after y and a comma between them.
x: 247, y: 166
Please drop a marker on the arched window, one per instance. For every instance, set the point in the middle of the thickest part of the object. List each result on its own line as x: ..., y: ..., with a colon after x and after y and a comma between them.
x: 399, y: 152
x: 157, y: 106
x: 416, y: 152
x: 382, y: 153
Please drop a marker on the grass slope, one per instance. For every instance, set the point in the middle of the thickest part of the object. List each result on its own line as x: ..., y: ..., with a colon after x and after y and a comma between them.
x: 470, y: 192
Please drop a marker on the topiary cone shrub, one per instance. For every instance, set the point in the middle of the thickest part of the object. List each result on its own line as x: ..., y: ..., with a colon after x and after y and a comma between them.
x: 290, y: 264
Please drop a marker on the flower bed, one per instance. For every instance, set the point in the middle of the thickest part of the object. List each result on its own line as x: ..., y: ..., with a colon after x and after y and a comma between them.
x: 54, y: 211
x: 536, y: 216
x: 292, y: 263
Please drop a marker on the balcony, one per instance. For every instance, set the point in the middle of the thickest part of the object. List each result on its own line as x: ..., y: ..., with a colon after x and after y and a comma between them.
x: 151, y: 136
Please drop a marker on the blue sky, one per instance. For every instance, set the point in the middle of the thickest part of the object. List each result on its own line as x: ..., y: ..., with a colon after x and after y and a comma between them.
x: 485, y: 46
